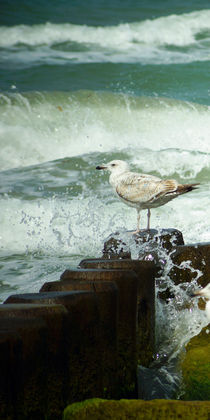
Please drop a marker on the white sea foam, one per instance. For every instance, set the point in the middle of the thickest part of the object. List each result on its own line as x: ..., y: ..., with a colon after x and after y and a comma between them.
x: 38, y: 128
x: 78, y: 225
x: 178, y: 30
x: 23, y: 58
x: 143, y: 41
x: 55, y: 226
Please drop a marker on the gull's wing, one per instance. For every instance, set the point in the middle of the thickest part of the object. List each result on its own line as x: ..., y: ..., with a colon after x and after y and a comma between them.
x: 136, y: 188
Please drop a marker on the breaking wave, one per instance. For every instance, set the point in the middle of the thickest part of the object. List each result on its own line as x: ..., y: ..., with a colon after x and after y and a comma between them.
x: 171, y: 39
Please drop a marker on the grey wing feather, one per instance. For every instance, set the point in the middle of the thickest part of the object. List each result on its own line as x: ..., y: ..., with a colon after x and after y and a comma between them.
x: 135, y: 188
x: 144, y: 188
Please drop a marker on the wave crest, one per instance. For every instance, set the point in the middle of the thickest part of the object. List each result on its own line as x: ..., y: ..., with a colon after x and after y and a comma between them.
x: 37, y: 127
x: 177, y: 30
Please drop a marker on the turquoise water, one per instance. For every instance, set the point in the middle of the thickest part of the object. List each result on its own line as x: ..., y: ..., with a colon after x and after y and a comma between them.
x: 82, y: 84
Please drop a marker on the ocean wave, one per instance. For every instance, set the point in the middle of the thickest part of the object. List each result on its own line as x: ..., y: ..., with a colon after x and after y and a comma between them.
x: 178, y: 30
x: 36, y: 128
x: 174, y: 38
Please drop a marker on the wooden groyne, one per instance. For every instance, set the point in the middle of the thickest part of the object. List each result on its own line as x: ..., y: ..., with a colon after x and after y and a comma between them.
x: 84, y: 335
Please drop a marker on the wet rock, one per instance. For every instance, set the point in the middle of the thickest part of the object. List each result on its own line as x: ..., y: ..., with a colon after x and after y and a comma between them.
x: 127, y: 284
x: 191, y: 262
x: 166, y: 295
x: 196, y: 367
x: 39, y: 352
x: 91, y: 334
x: 138, y: 410
x: 146, y: 272
x: 145, y: 245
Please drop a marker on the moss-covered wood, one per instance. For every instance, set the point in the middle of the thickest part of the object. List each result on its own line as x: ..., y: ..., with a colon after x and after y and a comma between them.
x: 98, y: 409
x: 196, y: 367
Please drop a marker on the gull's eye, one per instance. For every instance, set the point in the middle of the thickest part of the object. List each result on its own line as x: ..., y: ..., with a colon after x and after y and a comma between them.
x: 113, y: 164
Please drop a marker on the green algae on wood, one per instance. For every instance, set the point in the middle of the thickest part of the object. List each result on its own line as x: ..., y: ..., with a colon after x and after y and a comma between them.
x: 99, y: 409
x: 196, y: 367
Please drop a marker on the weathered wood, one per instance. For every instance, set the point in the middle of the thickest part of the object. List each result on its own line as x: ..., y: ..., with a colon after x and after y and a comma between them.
x: 146, y: 272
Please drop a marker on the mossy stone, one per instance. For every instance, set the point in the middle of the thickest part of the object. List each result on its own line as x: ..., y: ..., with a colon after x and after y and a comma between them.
x: 99, y: 409
x: 196, y: 367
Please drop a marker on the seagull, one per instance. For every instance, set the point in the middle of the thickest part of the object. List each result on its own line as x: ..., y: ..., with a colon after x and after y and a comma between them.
x: 142, y: 191
x: 205, y: 292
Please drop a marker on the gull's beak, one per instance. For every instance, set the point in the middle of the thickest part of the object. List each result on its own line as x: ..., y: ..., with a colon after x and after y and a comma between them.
x: 101, y: 167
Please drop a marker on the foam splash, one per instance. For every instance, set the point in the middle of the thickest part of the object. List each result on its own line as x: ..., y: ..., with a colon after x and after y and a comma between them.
x: 79, y: 225
x: 52, y: 226
x: 163, y: 379
x: 37, y: 128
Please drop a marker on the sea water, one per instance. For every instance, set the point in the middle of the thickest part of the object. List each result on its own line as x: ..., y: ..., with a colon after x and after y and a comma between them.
x: 82, y: 85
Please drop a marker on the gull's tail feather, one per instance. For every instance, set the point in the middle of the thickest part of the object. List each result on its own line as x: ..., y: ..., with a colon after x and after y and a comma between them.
x: 182, y: 189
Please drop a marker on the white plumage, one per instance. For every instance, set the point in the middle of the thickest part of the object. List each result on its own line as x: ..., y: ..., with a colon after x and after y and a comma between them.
x: 142, y: 191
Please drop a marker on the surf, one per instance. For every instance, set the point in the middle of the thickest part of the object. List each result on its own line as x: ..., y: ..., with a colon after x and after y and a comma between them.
x: 41, y: 127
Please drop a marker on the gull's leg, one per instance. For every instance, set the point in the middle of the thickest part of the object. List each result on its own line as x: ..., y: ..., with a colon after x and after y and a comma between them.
x: 138, y: 221
x: 148, y: 219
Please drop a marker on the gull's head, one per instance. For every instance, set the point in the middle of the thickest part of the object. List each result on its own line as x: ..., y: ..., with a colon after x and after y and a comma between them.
x: 205, y: 292
x: 115, y: 166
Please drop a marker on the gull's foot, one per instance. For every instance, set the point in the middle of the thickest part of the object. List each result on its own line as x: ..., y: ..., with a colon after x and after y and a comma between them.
x: 138, y: 231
